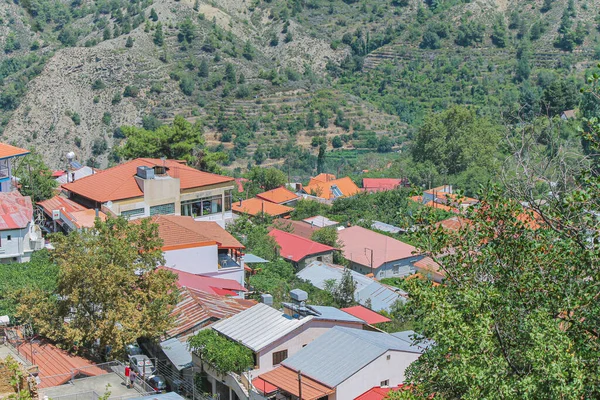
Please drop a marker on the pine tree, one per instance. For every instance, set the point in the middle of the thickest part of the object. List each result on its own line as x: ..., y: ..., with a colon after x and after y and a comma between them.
x: 203, y: 69
x: 106, y: 34
x: 159, y: 38
x: 153, y: 15
x: 129, y: 42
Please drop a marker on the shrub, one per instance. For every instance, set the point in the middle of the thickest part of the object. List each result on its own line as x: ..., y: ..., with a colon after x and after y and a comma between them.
x: 131, y: 91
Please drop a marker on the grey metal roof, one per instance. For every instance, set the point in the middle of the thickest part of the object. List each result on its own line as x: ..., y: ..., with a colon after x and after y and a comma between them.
x: 258, y: 326
x: 252, y: 259
x: 161, y: 396
x: 382, y: 296
x: 341, y: 352
x: 178, y: 353
x: 320, y: 221
x: 382, y: 226
x: 411, y: 337
x: 335, y: 314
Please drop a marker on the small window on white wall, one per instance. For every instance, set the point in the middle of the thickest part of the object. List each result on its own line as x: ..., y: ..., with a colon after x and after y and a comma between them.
x: 389, y: 356
x: 395, y: 269
x: 385, y: 383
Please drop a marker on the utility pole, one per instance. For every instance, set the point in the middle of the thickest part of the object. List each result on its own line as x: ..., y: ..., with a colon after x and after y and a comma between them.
x: 299, y: 385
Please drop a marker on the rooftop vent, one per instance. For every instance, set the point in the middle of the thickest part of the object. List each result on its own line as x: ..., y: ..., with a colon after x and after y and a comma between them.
x: 160, y: 170
x: 266, y: 299
x: 145, y: 172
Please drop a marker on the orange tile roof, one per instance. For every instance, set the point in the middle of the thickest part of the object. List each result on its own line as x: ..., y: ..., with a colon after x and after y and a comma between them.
x: 427, y: 264
x: 299, y: 228
x: 59, y: 203
x: 6, y: 151
x: 454, y: 223
x: 197, y: 309
x: 255, y: 206
x: 118, y: 183
x: 287, y: 380
x: 325, y: 177
x: 55, y: 365
x: 278, y: 195
x: 323, y: 189
x: 444, y: 207
x: 177, y: 230
x: 86, y: 218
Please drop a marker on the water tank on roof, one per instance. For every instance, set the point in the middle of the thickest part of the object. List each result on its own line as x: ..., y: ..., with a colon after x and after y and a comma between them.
x: 298, y: 295
x: 266, y: 299
x: 145, y: 172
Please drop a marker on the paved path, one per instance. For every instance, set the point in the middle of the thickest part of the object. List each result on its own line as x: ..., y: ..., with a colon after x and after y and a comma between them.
x: 7, y: 351
x: 95, y: 383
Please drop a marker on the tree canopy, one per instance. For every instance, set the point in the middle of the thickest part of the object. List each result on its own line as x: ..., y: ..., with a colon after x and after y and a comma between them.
x: 35, y: 178
x: 222, y: 354
x: 109, y: 291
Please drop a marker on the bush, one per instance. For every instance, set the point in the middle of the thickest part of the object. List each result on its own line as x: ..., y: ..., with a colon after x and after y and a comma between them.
x: 98, y: 85
x: 131, y: 91
x: 116, y: 98
x: 76, y: 119
x: 99, y: 146
x: 106, y: 118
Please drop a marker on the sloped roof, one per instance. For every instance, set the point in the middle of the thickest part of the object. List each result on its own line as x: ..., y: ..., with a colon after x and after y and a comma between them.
x: 296, y: 227
x: 335, y: 314
x: 196, y: 309
x: 287, y: 380
x: 320, y: 221
x: 256, y: 206
x: 177, y: 230
x: 177, y: 353
x: 297, y: 248
x: 382, y: 296
x: 119, y: 182
x: 380, y: 184
x: 369, y: 316
x: 378, y: 393
x: 324, y: 177
x: 341, y: 352
x: 358, y: 242
x: 60, y: 203
x: 278, y: 195
x: 6, y: 151
x: 258, y: 326
x: 206, y: 284
x: 323, y: 189
x: 454, y: 223
x: 85, y: 218
x: 429, y: 265
x: 411, y: 337
x: 79, y: 174
x: 55, y: 365
x: 16, y: 210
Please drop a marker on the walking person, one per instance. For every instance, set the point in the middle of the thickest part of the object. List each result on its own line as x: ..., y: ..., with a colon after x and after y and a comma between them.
x: 132, y: 376
x: 127, y: 372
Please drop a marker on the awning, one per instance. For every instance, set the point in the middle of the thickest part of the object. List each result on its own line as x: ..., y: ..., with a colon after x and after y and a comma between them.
x: 287, y: 380
x: 177, y: 353
x: 262, y: 386
x: 252, y: 259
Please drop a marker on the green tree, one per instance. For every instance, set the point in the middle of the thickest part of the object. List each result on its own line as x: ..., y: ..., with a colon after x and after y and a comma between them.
x: 222, y: 354
x: 187, y: 31
x: 153, y: 15
x: 230, y: 74
x: 35, y: 178
x: 248, y: 51
x: 203, y: 69
x: 266, y: 178
x: 177, y: 141
x: 106, y: 35
x: 159, y: 38
x: 431, y: 40
x: 499, y: 36
x: 109, y: 288
x: 131, y: 91
x: 321, y: 159
x: 129, y: 42
x: 336, y: 142
x: 343, y: 292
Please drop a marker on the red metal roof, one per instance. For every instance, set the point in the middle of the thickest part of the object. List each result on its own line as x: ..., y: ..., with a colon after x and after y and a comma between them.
x: 16, y: 210
x: 197, y: 309
x: 381, y: 184
x: 55, y: 365
x: 119, y: 182
x: 299, y: 228
x: 369, y: 316
x: 207, y: 284
x: 6, y: 151
x: 263, y: 386
x: 377, y: 393
x: 296, y: 248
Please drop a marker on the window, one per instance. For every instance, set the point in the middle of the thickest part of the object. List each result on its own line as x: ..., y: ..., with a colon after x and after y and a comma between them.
x: 279, y: 356
x: 163, y: 209
x: 388, y: 357
x: 319, y: 258
x: 336, y: 191
x: 396, y: 269
x: 385, y: 383
x: 8, y: 237
x: 204, y: 206
x: 132, y: 213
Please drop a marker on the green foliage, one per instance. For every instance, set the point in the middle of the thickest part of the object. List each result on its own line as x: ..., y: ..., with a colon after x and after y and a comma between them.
x: 131, y: 91
x: 327, y: 235
x: 470, y: 33
x: 266, y: 178
x: 35, y: 178
x: 158, y: 38
x: 343, y: 292
x: 16, y: 278
x: 308, y: 208
x: 222, y: 354
x: 177, y: 141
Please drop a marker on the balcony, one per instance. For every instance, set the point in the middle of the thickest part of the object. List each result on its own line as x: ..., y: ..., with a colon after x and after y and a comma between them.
x: 226, y: 262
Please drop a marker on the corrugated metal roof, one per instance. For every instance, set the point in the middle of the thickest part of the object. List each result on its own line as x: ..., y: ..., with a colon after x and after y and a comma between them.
x: 162, y: 396
x: 16, y: 210
x: 382, y: 297
x: 335, y: 314
x: 382, y: 226
x: 320, y: 221
x: 287, y: 380
x: 258, y: 326
x: 178, y: 353
x: 252, y: 259
x: 341, y: 352
x: 416, y: 340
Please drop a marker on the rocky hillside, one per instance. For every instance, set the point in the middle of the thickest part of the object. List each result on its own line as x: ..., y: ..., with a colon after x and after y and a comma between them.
x: 259, y: 73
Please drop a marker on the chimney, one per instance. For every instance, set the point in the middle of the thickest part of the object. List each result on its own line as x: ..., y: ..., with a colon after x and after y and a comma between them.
x: 266, y: 299
x: 240, y: 202
x: 72, y: 176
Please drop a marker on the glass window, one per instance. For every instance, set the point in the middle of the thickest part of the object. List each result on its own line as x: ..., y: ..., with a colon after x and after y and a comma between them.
x: 204, y: 206
x: 163, y: 209
x: 279, y: 356
x: 228, y: 200
x: 132, y: 213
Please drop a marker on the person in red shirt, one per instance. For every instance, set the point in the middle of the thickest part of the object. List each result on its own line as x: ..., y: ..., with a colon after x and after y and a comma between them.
x: 127, y: 371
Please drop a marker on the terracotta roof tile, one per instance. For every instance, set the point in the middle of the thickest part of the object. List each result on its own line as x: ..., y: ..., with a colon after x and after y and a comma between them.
x: 118, y: 183
x: 324, y: 189
x: 299, y: 228
x: 278, y: 195
x: 454, y: 223
x: 255, y: 206
x: 287, y: 380
x: 325, y: 177
x: 381, y: 184
x: 6, y: 151
x: 296, y: 248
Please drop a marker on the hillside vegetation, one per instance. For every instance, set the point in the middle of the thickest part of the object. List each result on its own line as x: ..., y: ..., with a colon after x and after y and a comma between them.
x: 273, y: 81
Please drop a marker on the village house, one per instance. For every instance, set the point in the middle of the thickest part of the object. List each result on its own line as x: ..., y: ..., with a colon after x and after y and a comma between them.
x: 299, y: 250
x: 145, y: 187
x: 8, y: 156
x: 368, y: 291
x: 329, y: 188
x: 256, y: 206
x: 64, y: 215
x: 373, y: 253
x: 200, y: 247
x: 372, y: 185
x: 19, y: 236
x: 342, y: 364
x: 281, y: 196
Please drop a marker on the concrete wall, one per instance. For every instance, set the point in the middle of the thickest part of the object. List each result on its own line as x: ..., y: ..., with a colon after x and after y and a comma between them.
x: 374, y: 373
x: 195, y: 260
x: 326, y: 257
x: 14, y: 247
x: 294, y: 341
x: 405, y: 267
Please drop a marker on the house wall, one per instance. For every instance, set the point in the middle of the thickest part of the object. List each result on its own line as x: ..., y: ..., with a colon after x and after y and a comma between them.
x: 195, y: 260
x: 374, y: 373
x: 391, y: 269
x: 14, y: 247
x: 294, y: 341
x: 326, y: 257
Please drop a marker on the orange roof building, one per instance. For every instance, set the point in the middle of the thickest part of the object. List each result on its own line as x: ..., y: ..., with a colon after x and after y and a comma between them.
x: 69, y: 215
x: 326, y: 186
x: 145, y: 187
x: 7, y: 155
x: 279, y: 195
x: 255, y: 206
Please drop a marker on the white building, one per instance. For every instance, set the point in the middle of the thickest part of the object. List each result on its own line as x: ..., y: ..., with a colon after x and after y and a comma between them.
x: 8, y: 155
x: 19, y: 236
